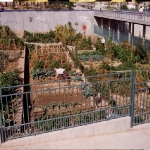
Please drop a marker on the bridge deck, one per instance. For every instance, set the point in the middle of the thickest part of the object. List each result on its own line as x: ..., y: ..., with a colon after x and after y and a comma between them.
x: 133, y: 17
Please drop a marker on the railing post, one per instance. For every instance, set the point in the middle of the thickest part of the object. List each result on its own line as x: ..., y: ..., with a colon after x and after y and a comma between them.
x: 0, y: 119
x: 132, y: 97
x: 60, y: 105
x: 0, y: 128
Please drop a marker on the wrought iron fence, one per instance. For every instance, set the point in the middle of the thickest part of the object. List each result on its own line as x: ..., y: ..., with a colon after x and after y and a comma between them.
x: 141, y: 103
x: 118, y: 37
x: 50, y: 106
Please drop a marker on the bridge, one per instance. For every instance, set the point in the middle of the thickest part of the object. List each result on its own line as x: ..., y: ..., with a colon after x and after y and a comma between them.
x: 129, y: 16
x: 132, y: 17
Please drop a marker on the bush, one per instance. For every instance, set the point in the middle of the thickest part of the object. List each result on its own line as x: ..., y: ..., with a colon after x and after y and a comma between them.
x: 99, y: 47
x: 38, y: 65
x: 55, y: 64
x: 141, y: 52
x: 10, y: 78
x: 3, y: 57
x: 30, y: 47
x: 90, y: 71
x: 128, y: 65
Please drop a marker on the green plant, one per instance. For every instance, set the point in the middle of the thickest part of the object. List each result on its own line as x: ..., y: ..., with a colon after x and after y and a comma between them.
x: 30, y: 47
x: 99, y: 47
x: 126, y: 66
x: 109, y: 49
x: 38, y: 47
x: 90, y: 71
x: 38, y: 65
x: 141, y: 51
x: 90, y: 55
x: 10, y: 78
x: 19, y: 42
x: 76, y: 61
x: 3, y: 59
x: 55, y: 64
x: 41, y: 74
x: 53, y: 105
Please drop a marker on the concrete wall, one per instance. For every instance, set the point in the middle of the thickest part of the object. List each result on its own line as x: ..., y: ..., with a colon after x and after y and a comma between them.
x: 43, y: 21
x: 101, y: 128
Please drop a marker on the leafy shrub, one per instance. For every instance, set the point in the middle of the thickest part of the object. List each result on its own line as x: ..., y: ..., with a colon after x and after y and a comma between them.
x: 124, y: 54
x: 19, y: 42
x: 126, y: 66
x: 30, y: 47
x: 76, y: 61
x: 10, y: 78
x: 41, y: 74
x: 99, y: 47
x: 6, y: 33
x: 38, y: 65
x: 48, y: 37
x: 83, y: 44
x: 141, y: 51
x: 90, y: 71
x: 55, y: 64
x: 3, y: 58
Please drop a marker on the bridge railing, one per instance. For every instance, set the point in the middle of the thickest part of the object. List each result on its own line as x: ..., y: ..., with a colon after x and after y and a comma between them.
x: 145, y: 17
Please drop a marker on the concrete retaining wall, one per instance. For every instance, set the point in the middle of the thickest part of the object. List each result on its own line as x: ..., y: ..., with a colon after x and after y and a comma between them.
x: 43, y: 21
x: 101, y: 128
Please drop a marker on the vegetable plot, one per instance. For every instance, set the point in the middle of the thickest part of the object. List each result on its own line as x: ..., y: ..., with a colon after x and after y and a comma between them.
x: 93, y: 57
x: 42, y: 74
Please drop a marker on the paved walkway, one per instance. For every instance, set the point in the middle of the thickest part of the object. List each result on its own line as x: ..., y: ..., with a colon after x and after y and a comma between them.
x: 136, y: 138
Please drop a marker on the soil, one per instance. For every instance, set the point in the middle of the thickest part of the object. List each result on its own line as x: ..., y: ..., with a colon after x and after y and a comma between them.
x: 65, y: 102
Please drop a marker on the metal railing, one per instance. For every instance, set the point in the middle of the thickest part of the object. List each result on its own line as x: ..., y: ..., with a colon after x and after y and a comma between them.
x: 119, y: 37
x: 126, y: 16
x: 50, y: 106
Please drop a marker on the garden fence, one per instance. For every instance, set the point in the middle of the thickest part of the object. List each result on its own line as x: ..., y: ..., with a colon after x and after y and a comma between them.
x: 49, y: 106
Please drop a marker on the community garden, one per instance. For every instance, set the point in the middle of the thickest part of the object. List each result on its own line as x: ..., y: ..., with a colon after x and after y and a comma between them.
x: 109, y: 68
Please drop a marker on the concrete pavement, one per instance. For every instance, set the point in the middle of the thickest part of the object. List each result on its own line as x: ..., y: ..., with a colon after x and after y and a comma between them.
x: 137, y: 137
